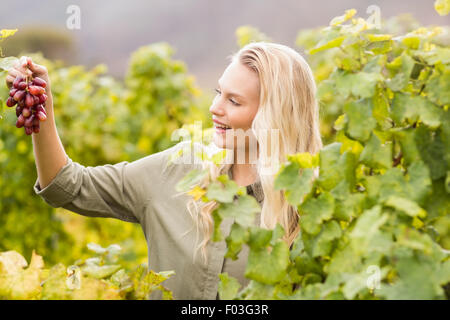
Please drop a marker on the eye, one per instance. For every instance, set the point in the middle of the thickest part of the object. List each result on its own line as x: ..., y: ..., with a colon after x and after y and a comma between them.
x: 231, y: 100
x: 234, y: 102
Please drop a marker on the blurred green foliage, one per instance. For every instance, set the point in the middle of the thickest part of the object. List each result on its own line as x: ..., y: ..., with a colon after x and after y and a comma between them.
x: 375, y: 224
x: 99, y: 277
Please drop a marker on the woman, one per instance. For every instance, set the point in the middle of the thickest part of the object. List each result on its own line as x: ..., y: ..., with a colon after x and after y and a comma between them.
x: 266, y: 86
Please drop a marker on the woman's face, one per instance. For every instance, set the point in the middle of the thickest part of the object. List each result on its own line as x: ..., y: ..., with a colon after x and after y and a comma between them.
x: 235, y: 105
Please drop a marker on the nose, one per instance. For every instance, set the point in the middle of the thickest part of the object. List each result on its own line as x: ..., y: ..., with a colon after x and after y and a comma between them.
x: 216, y: 107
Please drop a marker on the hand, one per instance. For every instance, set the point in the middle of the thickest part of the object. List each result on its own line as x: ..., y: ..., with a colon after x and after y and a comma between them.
x: 27, y: 68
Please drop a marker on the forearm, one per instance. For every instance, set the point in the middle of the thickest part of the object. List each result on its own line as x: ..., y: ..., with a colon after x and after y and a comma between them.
x: 49, y: 152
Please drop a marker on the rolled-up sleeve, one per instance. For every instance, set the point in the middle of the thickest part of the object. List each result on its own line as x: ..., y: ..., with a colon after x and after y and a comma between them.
x: 101, y: 191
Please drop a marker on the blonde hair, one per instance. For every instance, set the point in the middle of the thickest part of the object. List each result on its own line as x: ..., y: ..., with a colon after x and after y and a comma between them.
x: 288, y: 103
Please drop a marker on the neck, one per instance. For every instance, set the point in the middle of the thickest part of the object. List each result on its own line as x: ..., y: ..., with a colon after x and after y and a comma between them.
x: 244, y: 172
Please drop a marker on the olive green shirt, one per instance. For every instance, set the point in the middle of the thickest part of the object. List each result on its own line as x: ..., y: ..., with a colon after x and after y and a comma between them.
x: 143, y: 191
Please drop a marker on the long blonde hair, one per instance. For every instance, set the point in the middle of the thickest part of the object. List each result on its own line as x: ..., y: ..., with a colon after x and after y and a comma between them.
x: 287, y: 103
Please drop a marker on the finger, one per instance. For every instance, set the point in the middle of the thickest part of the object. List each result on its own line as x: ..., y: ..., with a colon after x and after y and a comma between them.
x: 17, y: 64
x: 30, y: 62
x: 23, y: 61
x: 15, y: 72
x: 12, y: 75
x: 24, y: 71
x: 22, y: 66
x: 35, y: 68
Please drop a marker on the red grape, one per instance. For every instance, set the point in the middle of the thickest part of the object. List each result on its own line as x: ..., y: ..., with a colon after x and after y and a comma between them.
x: 22, y: 86
x: 20, y: 94
x: 20, y: 121
x: 29, y: 100
x: 42, y: 116
x: 26, y: 112
x: 42, y: 98
x: 29, y: 121
x: 18, y: 80
x: 18, y: 110
x: 35, y: 120
x: 40, y: 108
x: 12, y: 92
x: 36, y: 90
x: 28, y: 130
x: 39, y: 82
x: 10, y: 102
x: 36, y: 129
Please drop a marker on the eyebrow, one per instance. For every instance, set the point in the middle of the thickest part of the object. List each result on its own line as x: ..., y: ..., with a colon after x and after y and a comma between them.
x: 233, y: 93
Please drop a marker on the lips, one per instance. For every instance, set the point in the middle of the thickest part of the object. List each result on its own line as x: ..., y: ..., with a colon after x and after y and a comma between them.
x: 221, y: 125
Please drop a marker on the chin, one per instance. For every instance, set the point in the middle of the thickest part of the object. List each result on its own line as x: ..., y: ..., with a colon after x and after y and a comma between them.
x: 222, y: 143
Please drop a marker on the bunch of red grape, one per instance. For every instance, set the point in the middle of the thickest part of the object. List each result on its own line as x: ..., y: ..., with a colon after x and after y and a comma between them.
x: 30, y: 98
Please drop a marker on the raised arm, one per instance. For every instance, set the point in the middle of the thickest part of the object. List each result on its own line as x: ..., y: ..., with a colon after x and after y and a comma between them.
x: 49, y: 152
x: 116, y: 191
x: 102, y: 191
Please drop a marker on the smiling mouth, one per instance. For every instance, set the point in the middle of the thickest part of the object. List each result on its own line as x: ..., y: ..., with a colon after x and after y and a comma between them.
x: 221, y: 127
